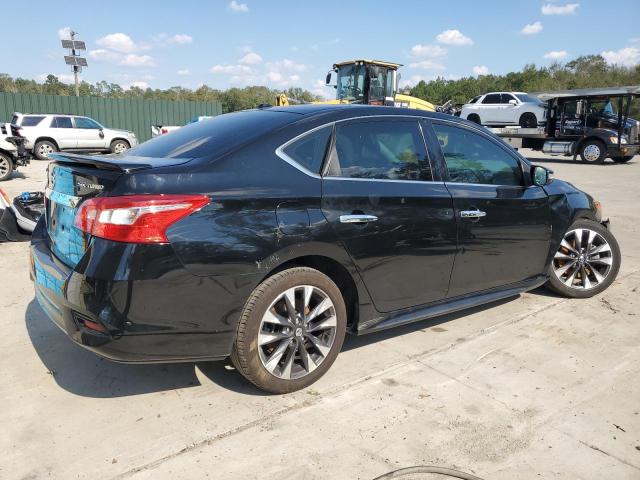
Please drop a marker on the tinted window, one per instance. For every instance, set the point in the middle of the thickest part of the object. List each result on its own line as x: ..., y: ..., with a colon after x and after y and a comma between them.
x: 214, y: 136
x: 528, y: 98
x: 492, y: 98
x: 383, y: 150
x: 87, y: 123
x: 473, y: 158
x: 61, y: 122
x: 309, y: 151
x: 31, y: 120
x: 505, y: 98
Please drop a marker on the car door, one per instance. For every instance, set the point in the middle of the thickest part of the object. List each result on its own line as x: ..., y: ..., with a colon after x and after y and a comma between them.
x: 62, y: 132
x: 490, y: 109
x: 504, y: 227
x: 509, y: 113
x: 395, y: 221
x: 89, y: 133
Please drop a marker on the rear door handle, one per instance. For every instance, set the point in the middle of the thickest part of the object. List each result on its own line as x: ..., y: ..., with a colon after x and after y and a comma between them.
x: 358, y: 218
x: 472, y: 214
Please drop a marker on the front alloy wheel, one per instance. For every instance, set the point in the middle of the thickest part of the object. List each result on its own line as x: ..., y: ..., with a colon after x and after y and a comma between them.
x: 586, y: 262
x: 291, y: 330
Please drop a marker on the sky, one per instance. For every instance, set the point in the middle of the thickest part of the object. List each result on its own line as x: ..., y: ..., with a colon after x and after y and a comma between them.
x: 225, y: 43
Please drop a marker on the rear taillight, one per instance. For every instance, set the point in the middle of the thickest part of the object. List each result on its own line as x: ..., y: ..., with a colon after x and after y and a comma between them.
x: 135, y: 218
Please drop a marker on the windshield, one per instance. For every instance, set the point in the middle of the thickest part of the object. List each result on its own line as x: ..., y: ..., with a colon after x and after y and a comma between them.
x: 351, y: 83
x: 523, y: 97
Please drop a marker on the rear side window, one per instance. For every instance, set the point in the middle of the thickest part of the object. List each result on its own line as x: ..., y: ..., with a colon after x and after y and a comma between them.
x: 389, y: 149
x: 87, y: 123
x: 309, y: 151
x: 215, y: 136
x: 61, y: 122
x: 473, y: 158
x: 492, y: 98
x: 31, y: 120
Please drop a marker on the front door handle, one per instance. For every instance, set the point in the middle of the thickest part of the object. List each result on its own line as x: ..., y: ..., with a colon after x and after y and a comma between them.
x: 358, y: 218
x: 472, y: 214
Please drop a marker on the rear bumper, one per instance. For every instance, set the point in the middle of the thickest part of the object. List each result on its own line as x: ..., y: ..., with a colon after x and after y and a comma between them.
x: 140, y: 327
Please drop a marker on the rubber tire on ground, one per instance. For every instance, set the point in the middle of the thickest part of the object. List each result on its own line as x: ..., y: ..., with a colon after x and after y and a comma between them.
x: 560, y: 288
x: 622, y: 159
x: 37, y: 147
x: 603, y: 151
x: 475, y: 118
x: 245, y: 354
x: 528, y: 120
x: 5, y: 158
x: 116, y: 142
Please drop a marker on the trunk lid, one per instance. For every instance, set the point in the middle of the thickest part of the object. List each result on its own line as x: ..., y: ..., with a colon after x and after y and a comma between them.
x: 75, y: 178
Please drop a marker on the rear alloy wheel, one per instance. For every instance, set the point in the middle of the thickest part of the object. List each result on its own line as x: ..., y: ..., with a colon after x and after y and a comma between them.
x: 528, y: 120
x: 119, y: 146
x: 291, y: 330
x: 593, y: 151
x: 6, y: 167
x: 475, y: 118
x: 43, y: 148
x: 586, y: 262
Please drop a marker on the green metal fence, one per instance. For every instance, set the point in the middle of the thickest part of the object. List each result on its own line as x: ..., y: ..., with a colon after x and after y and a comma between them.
x: 127, y: 114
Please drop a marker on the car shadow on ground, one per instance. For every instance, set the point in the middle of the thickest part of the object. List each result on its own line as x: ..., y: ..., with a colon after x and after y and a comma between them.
x: 82, y: 372
x: 569, y: 160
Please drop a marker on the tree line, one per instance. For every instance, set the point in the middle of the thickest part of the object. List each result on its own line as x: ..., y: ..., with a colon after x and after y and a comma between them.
x: 583, y: 72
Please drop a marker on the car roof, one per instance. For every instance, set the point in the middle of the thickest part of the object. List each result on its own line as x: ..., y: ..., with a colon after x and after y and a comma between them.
x: 352, y: 110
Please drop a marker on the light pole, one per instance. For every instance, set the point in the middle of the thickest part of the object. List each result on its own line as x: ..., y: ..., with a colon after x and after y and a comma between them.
x: 75, y: 60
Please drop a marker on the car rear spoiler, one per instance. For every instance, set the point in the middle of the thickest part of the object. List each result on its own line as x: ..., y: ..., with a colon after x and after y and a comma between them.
x: 118, y: 164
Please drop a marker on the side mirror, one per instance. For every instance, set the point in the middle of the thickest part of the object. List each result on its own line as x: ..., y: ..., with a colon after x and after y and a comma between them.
x: 328, y: 79
x: 513, y: 103
x: 540, y: 175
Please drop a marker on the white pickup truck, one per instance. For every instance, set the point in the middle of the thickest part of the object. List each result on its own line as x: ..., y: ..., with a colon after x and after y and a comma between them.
x: 157, y: 130
x: 12, y: 150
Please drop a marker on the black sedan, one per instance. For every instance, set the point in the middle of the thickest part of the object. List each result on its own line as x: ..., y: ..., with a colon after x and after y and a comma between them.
x: 266, y: 235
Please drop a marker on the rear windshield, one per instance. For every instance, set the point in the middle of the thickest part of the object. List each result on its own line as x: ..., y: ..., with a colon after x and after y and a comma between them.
x: 215, y: 135
x: 31, y: 120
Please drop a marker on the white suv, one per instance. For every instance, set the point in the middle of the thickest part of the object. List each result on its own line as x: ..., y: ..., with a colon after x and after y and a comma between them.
x: 48, y: 133
x: 505, y: 108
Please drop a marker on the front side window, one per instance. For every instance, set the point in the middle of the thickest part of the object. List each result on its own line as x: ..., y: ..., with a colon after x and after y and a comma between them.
x: 491, y: 98
x: 309, y: 151
x: 87, y: 123
x: 61, y: 122
x: 506, y: 98
x: 31, y: 120
x: 388, y: 150
x: 473, y: 158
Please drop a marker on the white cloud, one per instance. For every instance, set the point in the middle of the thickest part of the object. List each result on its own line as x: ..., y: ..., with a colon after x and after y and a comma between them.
x: 234, y: 6
x: 103, y: 55
x: 63, y: 77
x: 286, y: 64
x: 427, y: 65
x: 480, y: 70
x: 628, y: 56
x: 251, y: 58
x: 294, y: 78
x: 453, y: 37
x: 431, y: 51
x: 231, y: 69
x: 118, y: 42
x: 133, y: 60
x: 183, y: 72
x: 138, y: 83
x: 320, y: 89
x: 412, y: 81
x: 181, y: 39
x: 532, y: 28
x: 64, y: 33
x: 567, y: 9
x: 556, y: 54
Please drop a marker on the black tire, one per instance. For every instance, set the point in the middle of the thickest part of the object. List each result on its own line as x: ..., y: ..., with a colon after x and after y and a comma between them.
x: 119, y: 146
x: 528, y: 120
x: 622, y: 159
x: 593, y: 151
x: 6, y: 167
x: 245, y: 355
x: 561, y: 288
x: 475, y: 118
x: 42, y: 149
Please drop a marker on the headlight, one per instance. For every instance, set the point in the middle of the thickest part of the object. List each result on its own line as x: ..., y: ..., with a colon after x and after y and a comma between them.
x: 615, y: 139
